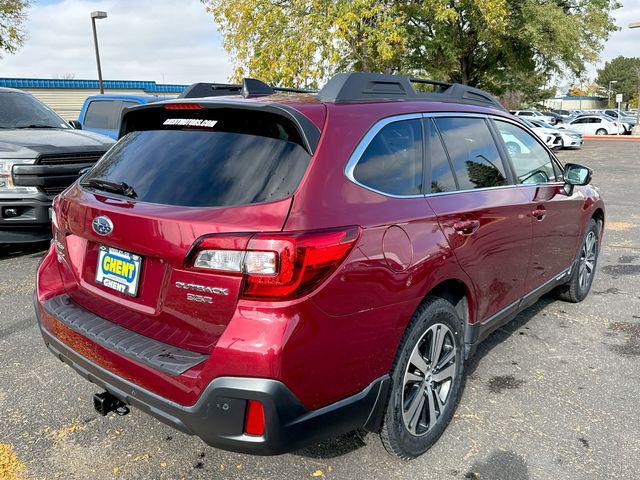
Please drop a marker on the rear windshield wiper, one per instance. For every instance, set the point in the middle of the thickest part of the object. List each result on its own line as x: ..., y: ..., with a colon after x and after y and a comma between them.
x: 115, y: 187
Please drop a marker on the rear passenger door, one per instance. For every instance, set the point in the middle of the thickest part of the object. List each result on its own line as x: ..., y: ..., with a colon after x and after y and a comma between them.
x: 484, y: 216
x: 555, y: 216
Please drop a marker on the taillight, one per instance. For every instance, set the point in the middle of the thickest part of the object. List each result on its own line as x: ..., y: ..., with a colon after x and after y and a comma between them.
x: 277, y: 265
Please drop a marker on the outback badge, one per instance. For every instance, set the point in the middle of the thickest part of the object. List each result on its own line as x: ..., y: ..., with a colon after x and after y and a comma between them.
x: 102, y: 225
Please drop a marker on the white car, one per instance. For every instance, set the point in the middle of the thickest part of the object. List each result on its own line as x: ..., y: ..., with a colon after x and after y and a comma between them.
x: 535, y: 115
x: 595, y: 125
x: 552, y: 139
x: 570, y: 138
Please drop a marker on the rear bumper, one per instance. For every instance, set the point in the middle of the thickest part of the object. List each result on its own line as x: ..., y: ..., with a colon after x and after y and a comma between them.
x: 32, y: 222
x: 218, y: 415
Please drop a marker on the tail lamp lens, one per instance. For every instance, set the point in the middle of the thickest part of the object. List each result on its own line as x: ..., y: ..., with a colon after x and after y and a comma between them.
x: 254, y: 418
x: 277, y: 265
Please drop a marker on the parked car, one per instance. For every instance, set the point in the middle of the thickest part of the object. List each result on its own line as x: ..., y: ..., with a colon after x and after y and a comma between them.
x: 40, y: 155
x: 629, y: 121
x: 556, y: 117
x: 265, y: 272
x: 551, y: 137
x: 535, y: 115
x: 101, y: 113
x: 563, y: 113
x: 568, y: 138
x: 595, y: 125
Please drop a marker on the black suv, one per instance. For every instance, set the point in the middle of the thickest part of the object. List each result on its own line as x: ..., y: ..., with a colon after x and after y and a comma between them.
x: 40, y: 155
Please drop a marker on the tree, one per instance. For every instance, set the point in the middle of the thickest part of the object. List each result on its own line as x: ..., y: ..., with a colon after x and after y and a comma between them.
x: 623, y: 71
x: 500, y: 45
x: 585, y: 90
x: 12, y: 16
x: 300, y: 42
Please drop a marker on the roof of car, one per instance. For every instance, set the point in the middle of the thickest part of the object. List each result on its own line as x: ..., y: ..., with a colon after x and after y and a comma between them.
x: 142, y: 98
x: 354, y: 87
x: 12, y: 90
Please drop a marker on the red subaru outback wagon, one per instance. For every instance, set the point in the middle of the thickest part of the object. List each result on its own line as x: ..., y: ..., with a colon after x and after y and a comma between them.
x: 266, y: 269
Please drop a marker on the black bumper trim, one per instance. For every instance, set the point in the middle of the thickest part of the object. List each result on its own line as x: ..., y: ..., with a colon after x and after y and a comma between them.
x: 218, y: 415
x: 13, y: 236
x: 157, y: 355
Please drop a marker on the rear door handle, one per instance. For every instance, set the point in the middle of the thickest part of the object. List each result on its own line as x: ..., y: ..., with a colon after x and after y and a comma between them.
x: 466, y: 227
x: 539, y: 213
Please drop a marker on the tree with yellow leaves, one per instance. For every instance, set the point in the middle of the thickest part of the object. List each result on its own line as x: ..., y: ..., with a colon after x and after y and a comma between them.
x: 495, y: 44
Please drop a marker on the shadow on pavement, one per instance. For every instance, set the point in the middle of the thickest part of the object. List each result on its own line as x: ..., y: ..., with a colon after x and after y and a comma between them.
x: 500, y: 465
x: 18, y: 250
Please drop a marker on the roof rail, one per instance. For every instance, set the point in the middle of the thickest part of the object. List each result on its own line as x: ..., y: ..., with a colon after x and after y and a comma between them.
x: 364, y: 86
x: 250, y: 87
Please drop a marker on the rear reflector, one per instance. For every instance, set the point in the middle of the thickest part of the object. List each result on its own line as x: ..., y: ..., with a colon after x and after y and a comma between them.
x: 277, y: 265
x: 182, y: 106
x: 254, y: 418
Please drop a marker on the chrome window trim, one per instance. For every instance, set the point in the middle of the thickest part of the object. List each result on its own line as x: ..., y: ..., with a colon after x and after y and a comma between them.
x: 364, y: 144
x: 380, y: 124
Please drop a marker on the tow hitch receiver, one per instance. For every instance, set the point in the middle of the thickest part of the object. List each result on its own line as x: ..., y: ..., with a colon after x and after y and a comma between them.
x: 105, y: 403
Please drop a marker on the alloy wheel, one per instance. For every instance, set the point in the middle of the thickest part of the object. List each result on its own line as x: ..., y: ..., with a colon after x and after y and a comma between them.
x: 428, y: 379
x: 587, y: 260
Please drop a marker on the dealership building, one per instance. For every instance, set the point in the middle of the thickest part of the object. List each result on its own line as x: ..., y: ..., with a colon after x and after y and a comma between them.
x: 576, y: 102
x: 67, y: 96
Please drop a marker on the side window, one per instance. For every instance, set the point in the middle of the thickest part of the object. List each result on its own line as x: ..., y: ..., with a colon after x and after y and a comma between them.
x: 392, y: 162
x: 473, y: 152
x: 442, y: 179
x: 526, y: 114
x: 596, y: 120
x: 532, y: 163
x: 102, y: 115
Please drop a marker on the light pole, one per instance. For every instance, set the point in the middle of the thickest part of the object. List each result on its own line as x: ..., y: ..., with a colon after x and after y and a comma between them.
x: 97, y: 15
x: 636, y: 129
x: 609, y: 97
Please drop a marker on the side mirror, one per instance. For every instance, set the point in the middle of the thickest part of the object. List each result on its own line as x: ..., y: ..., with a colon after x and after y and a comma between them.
x: 75, y: 124
x: 575, y: 174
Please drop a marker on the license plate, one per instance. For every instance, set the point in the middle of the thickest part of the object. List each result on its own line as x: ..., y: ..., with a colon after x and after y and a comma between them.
x: 118, y: 270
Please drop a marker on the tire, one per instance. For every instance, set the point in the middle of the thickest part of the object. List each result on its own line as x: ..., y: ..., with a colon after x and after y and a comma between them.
x: 577, y: 288
x: 403, y: 434
x: 601, y: 131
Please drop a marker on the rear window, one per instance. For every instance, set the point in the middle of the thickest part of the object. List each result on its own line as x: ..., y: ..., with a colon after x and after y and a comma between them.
x: 212, y: 162
x: 103, y: 114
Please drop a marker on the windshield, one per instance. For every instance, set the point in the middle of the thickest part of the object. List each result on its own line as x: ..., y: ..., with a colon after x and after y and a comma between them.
x: 21, y: 110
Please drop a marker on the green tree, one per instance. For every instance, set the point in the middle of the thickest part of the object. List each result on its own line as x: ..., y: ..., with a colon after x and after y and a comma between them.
x: 623, y: 71
x: 500, y: 45
x: 12, y: 16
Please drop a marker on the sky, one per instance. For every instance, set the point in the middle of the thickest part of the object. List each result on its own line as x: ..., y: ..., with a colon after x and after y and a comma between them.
x: 169, y: 41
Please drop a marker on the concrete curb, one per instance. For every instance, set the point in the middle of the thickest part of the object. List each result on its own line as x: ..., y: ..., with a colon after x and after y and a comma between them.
x: 610, y: 137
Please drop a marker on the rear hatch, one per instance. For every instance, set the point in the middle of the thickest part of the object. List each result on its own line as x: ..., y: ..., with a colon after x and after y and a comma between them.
x: 181, y: 172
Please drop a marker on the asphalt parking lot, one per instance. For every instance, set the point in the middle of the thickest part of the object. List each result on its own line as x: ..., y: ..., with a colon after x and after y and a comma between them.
x: 552, y: 395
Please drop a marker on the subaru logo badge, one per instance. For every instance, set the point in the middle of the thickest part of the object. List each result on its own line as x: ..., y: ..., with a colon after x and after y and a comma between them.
x: 102, y: 225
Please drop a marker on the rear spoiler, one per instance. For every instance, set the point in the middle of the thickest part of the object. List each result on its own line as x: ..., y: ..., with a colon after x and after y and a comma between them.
x: 134, y: 118
x: 250, y: 88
